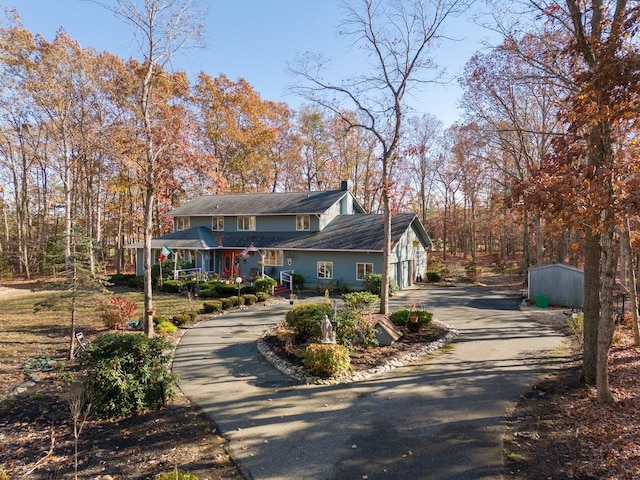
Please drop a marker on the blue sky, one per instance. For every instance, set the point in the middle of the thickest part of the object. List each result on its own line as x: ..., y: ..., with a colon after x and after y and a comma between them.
x: 253, y: 39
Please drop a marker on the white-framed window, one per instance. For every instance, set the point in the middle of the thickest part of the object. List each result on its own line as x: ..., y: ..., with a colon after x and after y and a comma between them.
x: 247, y: 223
x: 217, y: 223
x: 183, y: 223
x: 325, y: 270
x: 362, y: 269
x: 303, y: 222
x: 272, y: 258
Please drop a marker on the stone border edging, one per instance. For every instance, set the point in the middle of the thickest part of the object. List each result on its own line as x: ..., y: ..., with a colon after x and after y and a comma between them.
x: 299, y: 374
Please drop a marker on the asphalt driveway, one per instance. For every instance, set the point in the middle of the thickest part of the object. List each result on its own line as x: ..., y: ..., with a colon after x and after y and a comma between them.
x: 442, y: 417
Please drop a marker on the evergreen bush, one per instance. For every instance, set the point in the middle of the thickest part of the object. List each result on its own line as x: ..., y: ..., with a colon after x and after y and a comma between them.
x: 249, y: 299
x: 306, y: 320
x: 262, y: 296
x: 165, y: 328
x: 212, y: 306
x: 360, y: 300
x: 127, y: 373
x: 372, y: 282
x: 353, y: 329
x: 227, y: 303
x: 265, y: 284
x: 326, y: 359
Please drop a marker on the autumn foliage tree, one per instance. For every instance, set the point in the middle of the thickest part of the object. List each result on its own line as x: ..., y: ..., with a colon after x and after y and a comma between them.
x: 590, y: 179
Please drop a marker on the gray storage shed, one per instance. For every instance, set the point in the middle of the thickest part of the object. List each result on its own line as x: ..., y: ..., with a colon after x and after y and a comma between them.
x: 563, y: 285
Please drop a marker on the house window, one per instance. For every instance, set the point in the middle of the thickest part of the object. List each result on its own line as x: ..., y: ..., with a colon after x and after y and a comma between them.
x: 272, y: 258
x: 246, y: 223
x: 302, y: 222
x: 217, y: 223
x: 362, y: 269
x: 182, y: 223
x: 325, y: 270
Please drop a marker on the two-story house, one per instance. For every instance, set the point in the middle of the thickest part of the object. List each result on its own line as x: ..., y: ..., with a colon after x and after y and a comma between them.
x: 325, y: 236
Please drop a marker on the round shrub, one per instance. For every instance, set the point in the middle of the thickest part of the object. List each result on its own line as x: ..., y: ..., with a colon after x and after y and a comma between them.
x: 306, y: 318
x: 326, y: 360
x: 212, y: 306
x: 249, y: 299
x: 298, y: 280
x: 353, y: 329
x: 372, y: 282
x: 227, y: 303
x: 401, y: 318
x: 171, y: 286
x: 226, y: 289
x: 166, y: 328
x: 265, y: 284
x: 360, y: 300
x: 262, y: 296
x: 159, y: 319
x: 183, y: 318
x: 208, y: 291
x: 126, y: 373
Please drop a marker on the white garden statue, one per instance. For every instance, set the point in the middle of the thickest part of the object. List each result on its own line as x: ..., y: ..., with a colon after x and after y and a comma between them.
x: 328, y: 335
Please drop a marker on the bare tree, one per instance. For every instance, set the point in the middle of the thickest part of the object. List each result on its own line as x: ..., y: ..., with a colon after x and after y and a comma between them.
x: 398, y: 36
x: 161, y: 28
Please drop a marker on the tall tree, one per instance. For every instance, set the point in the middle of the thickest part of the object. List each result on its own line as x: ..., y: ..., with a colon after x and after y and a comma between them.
x: 398, y: 37
x: 586, y: 180
x: 161, y: 28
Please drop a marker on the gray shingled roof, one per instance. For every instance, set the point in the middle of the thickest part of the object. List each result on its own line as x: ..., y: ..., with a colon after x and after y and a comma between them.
x: 357, y: 232
x: 261, y: 204
x: 360, y: 232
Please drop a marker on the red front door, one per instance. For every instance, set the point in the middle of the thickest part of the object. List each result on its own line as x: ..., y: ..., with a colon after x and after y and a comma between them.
x: 231, y: 263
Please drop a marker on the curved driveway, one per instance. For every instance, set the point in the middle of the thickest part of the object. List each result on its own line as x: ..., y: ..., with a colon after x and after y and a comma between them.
x: 442, y: 417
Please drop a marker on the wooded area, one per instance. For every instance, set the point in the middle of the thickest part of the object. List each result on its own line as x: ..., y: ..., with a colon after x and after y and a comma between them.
x: 95, y: 148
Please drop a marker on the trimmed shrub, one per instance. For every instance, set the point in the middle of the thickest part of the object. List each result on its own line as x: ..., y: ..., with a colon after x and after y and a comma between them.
x: 212, y: 306
x: 159, y: 319
x: 352, y: 329
x: 306, y: 320
x: 127, y: 373
x: 115, y: 312
x: 326, y: 360
x: 360, y: 300
x: 249, y: 299
x: 136, y: 283
x: 401, y: 318
x: 171, y: 286
x: 236, y: 301
x: 226, y: 289
x: 372, y: 282
x: 208, y: 290
x: 165, y: 328
x: 262, y: 296
x: 265, y: 284
x: 183, y: 318
x: 121, y: 279
x: 298, y: 280
x: 227, y: 303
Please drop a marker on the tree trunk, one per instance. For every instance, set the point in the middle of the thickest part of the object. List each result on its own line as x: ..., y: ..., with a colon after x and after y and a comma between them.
x: 386, y: 253
x: 591, y: 306
x: 625, y: 247
x: 607, y: 325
